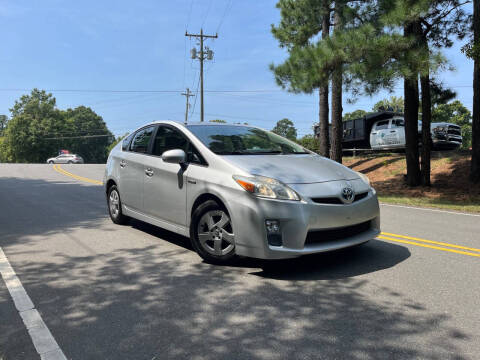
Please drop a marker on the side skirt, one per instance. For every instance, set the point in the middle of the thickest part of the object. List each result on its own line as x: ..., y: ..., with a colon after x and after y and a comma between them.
x: 182, y: 230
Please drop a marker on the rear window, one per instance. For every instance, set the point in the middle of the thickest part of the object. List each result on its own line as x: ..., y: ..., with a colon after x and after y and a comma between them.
x: 141, y: 140
x: 126, y: 142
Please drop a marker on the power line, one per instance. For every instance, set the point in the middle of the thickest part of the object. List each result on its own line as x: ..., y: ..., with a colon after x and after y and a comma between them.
x: 196, y: 96
x: 78, y: 137
x: 98, y: 91
x: 227, y: 9
x: 142, y: 91
x: 185, y: 43
x: 208, y: 11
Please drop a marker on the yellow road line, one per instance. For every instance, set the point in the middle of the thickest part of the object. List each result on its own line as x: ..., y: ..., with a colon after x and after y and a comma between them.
x: 58, y: 169
x: 429, y: 246
x: 431, y: 241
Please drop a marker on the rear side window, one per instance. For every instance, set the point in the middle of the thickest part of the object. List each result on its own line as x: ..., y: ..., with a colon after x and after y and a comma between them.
x: 398, y: 123
x: 141, y: 140
x: 126, y: 142
x: 382, y: 125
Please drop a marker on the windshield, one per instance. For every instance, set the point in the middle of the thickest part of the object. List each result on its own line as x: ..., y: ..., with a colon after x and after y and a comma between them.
x: 243, y: 140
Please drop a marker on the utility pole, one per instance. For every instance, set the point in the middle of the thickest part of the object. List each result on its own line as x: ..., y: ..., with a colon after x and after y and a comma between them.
x: 187, y: 95
x: 203, y: 54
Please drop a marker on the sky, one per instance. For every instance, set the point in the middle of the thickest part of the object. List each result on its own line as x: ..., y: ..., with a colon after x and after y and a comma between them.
x: 130, y: 61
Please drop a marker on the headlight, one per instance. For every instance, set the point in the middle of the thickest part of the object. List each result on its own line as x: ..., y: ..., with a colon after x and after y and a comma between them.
x: 364, y: 178
x: 439, y: 129
x: 262, y: 186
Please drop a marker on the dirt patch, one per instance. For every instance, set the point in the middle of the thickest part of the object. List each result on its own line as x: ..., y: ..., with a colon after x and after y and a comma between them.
x: 449, y: 176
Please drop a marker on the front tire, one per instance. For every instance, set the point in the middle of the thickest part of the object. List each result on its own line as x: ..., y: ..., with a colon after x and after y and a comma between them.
x: 211, y: 233
x: 50, y: 162
x: 115, y: 206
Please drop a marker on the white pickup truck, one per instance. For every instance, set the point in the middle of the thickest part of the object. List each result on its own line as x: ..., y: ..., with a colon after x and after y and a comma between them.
x: 389, y: 134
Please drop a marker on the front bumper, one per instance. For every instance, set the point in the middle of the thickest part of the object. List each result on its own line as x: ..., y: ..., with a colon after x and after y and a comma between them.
x: 446, y: 141
x: 298, y: 219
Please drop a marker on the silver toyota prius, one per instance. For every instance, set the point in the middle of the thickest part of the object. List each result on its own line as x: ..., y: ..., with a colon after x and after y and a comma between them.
x: 238, y: 190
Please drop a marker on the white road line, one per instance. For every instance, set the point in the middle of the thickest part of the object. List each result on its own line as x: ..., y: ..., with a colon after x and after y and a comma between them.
x: 42, y: 338
x: 433, y: 210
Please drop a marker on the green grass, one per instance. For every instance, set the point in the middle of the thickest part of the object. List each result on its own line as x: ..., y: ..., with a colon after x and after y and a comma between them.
x: 471, y: 206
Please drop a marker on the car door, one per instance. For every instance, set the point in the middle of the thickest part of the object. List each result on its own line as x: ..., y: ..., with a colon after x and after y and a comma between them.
x: 132, y: 168
x: 377, y: 136
x: 397, y: 131
x: 63, y: 159
x: 165, y: 183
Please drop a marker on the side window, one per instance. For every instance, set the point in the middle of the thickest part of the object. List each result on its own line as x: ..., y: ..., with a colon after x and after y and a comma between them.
x: 382, y: 125
x: 126, y: 142
x: 168, y: 138
x: 396, y: 123
x: 141, y: 140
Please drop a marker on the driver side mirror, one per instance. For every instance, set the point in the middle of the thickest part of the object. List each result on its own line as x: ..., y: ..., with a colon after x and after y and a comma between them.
x: 175, y: 156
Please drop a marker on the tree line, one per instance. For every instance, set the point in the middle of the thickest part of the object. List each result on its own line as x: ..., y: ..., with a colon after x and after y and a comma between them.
x: 37, y: 130
x: 361, y: 47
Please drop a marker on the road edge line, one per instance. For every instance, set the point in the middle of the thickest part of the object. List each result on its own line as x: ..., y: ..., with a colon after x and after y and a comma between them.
x: 430, y: 209
x: 42, y: 339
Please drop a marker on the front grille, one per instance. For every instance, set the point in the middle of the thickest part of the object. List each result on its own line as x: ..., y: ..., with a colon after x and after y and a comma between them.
x: 322, y: 236
x: 454, y: 131
x: 327, y: 200
x: 337, y: 201
x: 455, y: 140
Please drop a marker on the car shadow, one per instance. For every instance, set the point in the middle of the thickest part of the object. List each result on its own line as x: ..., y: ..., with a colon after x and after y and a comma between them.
x: 362, y: 259
x: 373, y: 256
x: 149, y: 300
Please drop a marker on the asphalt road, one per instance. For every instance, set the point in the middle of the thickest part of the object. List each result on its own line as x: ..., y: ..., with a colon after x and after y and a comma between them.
x: 139, y: 292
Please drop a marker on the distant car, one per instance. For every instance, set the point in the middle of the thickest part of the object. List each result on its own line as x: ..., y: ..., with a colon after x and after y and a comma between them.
x: 385, y: 130
x: 389, y: 134
x: 66, y: 159
x: 238, y: 190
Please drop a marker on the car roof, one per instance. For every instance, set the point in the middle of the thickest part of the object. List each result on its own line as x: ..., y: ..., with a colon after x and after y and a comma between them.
x: 182, y: 123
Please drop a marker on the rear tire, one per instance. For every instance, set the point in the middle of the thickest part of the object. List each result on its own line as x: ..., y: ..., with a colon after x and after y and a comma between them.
x: 70, y: 162
x: 211, y: 233
x: 115, y: 206
x: 50, y: 162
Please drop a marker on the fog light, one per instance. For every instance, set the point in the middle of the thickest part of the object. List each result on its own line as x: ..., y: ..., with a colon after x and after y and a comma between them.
x: 274, y: 236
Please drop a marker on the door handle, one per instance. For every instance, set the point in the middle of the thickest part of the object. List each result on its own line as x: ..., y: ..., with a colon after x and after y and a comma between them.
x: 123, y: 163
x: 374, y: 133
x: 392, y: 131
x: 149, y: 172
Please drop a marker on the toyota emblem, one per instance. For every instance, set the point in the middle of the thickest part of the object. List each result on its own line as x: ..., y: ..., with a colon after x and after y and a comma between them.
x: 348, y: 195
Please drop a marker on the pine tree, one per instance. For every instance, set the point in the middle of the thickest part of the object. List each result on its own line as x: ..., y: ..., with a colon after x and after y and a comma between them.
x: 301, y: 20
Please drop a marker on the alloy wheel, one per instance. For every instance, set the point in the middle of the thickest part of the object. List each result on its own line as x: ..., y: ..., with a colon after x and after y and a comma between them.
x: 215, y: 232
x: 114, y: 203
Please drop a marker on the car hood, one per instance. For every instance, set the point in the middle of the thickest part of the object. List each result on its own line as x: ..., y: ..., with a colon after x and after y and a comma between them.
x: 293, y: 169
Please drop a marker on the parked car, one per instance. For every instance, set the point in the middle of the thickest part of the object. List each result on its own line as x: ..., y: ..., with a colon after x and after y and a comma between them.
x: 238, y: 190
x: 385, y: 130
x: 390, y: 134
x: 66, y: 159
